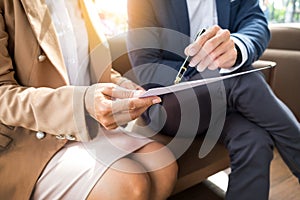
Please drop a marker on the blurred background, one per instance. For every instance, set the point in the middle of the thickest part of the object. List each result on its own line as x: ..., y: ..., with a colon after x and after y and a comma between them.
x: 113, y: 13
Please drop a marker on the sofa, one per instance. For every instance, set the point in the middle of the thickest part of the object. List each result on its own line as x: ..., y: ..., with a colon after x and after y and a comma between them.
x: 284, y: 49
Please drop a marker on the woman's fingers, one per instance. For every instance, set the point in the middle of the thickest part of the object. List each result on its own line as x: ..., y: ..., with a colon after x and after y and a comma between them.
x: 121, y: 118
x: 114, y: 105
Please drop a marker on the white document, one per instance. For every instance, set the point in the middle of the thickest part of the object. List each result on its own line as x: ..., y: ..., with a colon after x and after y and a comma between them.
x: 191, y: 84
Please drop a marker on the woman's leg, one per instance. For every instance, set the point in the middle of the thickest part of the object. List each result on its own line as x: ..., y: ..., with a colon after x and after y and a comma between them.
x: 161, y: 167
x: 142, y: 176
x: 117, y: 184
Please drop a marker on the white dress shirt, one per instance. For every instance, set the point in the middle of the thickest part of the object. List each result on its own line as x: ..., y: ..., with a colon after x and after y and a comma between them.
x: 73, y: 38
x: 203, y: 14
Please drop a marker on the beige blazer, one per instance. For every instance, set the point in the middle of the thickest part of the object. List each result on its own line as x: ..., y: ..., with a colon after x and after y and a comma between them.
x: 39, y: 110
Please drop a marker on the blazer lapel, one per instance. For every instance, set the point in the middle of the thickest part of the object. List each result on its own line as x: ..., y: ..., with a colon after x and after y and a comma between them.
x: 223, y: 10
x: 180, y: 12
x: 41, y: 23
x: 181, y: 20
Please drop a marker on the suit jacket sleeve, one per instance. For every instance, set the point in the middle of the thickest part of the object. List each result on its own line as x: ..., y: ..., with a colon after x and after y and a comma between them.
x: 250, y: 26
x: 54, y: 111
x: 245, y: 20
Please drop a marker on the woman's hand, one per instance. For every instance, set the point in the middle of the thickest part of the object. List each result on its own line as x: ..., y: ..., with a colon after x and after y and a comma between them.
x: 112, y: 105
x: 213, y: 49
x: 128, y: 84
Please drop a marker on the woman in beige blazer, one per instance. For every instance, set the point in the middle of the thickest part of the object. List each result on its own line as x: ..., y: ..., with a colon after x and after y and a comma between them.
x: 48, y: 126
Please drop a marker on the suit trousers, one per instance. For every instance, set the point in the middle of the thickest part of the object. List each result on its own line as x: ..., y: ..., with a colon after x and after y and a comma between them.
x: 255, y: 121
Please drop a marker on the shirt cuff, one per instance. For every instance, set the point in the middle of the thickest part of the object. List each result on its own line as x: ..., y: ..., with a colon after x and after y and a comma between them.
x: 244, y: 55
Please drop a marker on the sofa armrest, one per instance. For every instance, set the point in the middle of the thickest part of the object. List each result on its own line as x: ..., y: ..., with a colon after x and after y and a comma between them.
x: 284, y: 49
x: 269, y: 73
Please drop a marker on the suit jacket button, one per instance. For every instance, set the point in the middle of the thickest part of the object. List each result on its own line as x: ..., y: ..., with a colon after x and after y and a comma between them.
x: 40, y: 135
x: 70, y: 137
x: 42, y: 58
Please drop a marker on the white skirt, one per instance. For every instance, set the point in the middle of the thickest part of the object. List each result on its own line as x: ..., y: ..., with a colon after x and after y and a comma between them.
x: 76, y: 168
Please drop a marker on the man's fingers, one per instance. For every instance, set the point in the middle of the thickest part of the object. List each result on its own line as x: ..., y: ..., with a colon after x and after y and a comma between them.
x: 195, y: 47
x: 217, y: 51
x: 217, y: 40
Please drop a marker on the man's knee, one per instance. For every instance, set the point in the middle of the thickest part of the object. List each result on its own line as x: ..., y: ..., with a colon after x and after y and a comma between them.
x: 252, y: 146
x: 252, y: 137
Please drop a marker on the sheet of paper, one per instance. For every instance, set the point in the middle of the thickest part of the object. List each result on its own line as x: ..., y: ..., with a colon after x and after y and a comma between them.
x: 191, y: 84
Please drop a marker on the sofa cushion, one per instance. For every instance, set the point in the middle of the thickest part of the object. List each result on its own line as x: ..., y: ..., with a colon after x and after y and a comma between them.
x: 285, y: 36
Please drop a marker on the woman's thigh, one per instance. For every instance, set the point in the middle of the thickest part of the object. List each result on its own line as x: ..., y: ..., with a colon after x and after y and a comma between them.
x: 118, y: 183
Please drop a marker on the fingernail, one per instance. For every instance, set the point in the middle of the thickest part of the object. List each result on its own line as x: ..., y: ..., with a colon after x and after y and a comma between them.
x: 192, y: 51
x: 192, y: 64
x: 200, y: 68
x: 156, y: 100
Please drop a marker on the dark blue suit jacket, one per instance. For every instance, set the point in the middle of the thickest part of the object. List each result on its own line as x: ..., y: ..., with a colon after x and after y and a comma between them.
x: 243, y: 18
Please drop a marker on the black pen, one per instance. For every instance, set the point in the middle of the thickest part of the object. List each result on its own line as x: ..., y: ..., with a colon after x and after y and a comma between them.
x: 186, y: 62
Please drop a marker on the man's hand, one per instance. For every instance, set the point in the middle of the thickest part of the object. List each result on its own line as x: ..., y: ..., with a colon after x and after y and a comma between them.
x: 213, y: 49
x: 113, y: 106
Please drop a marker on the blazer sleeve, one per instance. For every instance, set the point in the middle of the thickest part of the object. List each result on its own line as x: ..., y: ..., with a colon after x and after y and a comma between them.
x: 58, y: 111
x: 249, y: 25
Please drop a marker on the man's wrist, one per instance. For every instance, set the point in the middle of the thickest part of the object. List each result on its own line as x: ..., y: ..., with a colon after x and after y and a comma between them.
x: 239, y: 56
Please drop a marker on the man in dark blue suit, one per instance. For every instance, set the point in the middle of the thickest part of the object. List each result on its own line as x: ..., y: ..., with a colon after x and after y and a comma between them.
x: 237, y: 35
